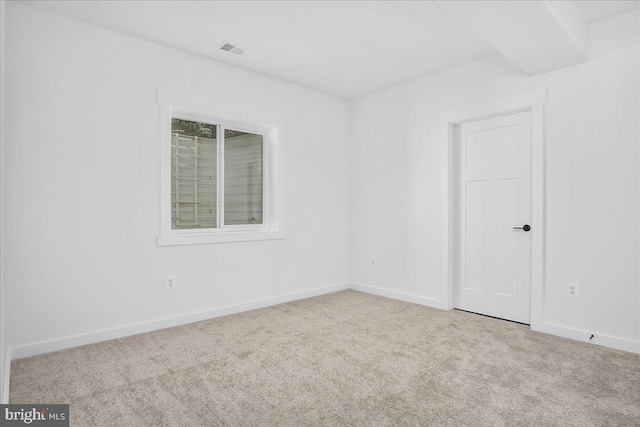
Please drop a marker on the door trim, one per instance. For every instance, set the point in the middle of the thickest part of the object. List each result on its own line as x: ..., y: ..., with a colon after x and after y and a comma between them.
x: 530, y: 101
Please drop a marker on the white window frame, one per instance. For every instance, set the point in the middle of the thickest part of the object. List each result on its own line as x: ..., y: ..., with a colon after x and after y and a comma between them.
x: 194, y: 109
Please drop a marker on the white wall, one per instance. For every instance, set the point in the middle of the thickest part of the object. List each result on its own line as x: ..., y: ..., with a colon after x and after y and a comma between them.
x: 3, y: 341
x: 592, y: 207
x: 83, y: 184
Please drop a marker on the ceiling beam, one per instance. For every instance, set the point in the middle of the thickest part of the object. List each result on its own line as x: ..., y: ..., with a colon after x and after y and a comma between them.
x: 537, y: 36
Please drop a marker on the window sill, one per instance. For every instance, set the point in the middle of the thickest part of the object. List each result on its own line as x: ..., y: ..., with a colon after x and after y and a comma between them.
x: 219, y: 237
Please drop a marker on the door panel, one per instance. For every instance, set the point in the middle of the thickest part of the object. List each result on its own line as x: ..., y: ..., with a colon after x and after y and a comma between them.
x: 494, y: 147
x: 475, y: 236
x: 493, y: 195
x: 507, y: 197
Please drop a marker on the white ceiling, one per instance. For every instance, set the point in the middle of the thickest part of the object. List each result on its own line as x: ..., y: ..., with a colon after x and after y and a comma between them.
x: 346, y: 48
x: 598, y: 10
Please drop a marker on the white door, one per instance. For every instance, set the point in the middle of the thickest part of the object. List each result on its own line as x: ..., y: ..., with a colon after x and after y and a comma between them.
x: 493, y: 198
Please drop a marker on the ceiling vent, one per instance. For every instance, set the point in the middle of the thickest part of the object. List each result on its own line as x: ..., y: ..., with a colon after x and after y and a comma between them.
x: 236, y: 50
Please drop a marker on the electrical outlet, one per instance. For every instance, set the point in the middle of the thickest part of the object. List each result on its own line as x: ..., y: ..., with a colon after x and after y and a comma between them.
x: 374, y: 262
x: 573, y: 290
x: 171, y: 282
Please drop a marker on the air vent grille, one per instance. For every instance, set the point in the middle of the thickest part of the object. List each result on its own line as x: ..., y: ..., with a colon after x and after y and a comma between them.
x: 236, y: 50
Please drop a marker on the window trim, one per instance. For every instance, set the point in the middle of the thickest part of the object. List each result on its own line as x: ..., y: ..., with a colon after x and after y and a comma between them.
x: 191, y: 108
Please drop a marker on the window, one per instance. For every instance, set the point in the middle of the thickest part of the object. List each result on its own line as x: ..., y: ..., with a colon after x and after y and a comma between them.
x: 194, y: 175
x: 220, y: 178
x: 197, y: 152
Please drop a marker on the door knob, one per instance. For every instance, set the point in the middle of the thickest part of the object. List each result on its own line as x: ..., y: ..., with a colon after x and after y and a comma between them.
x: 525, y: 227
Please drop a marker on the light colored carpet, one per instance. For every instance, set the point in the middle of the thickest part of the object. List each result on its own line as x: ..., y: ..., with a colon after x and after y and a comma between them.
x: 344, y: 359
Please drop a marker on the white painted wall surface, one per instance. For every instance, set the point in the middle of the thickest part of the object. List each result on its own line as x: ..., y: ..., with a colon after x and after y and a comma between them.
x: 592, y: 209
x: 83, y: 184
x: 3, y: 338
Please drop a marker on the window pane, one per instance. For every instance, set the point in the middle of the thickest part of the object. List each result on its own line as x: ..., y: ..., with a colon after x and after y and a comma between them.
x: 242, y: 178
x: 193, y: 175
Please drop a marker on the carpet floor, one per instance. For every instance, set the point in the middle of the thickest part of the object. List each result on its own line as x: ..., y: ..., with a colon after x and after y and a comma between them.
x: 344, y: 359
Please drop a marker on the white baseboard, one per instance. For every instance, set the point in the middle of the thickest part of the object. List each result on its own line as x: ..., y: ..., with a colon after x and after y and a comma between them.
x: 7, y: 377
x: 138, y: 328
x: 154, y: 325
x: 548, y: 328
x: 416, y: 299
x: 605, y: 340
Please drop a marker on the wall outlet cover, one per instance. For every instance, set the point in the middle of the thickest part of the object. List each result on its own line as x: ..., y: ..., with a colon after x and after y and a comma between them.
x: 573, y: 290
x: 171, y: 282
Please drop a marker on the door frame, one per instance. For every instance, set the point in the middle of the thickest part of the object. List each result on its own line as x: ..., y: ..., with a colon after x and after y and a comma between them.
x: 530, y: 101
